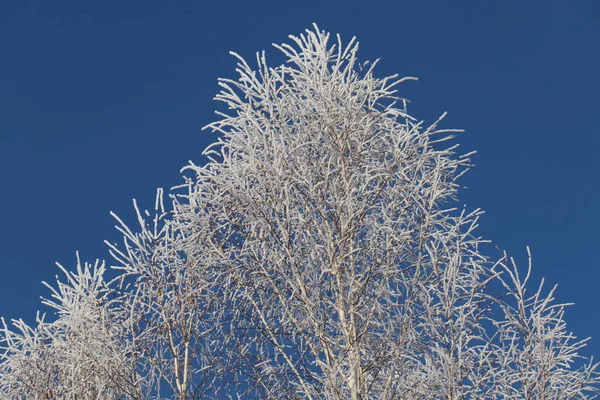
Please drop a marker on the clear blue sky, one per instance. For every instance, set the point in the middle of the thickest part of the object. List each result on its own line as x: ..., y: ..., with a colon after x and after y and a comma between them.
x: 102, y: 101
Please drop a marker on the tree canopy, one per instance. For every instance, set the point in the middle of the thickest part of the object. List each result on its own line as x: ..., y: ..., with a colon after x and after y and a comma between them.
x: 319, y: 253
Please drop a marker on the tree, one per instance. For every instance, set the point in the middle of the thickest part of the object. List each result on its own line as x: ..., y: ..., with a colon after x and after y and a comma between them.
x: 318, y: 254
x: 81, y: 355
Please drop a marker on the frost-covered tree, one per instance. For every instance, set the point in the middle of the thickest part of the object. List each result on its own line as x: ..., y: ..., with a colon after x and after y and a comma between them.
x: 81, y: 355
x: 318, y: 254
x: 169, y: 286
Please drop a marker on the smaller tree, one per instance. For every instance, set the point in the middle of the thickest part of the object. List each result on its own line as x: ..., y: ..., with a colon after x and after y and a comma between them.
x: 82, y: 354
x: 532, y: 352
x: 168, y: 285
x: 29, y: 367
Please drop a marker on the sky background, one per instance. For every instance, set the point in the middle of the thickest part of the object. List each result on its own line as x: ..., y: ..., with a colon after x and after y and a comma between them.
x: 102, y: 102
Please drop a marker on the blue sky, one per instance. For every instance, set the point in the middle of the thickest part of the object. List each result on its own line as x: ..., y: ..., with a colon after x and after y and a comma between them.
x: 103, y: 101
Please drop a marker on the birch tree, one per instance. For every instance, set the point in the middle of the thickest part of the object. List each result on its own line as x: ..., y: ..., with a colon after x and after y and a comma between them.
x: 80, y: 355
x: 319, y: 253
x: 173, y: 308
